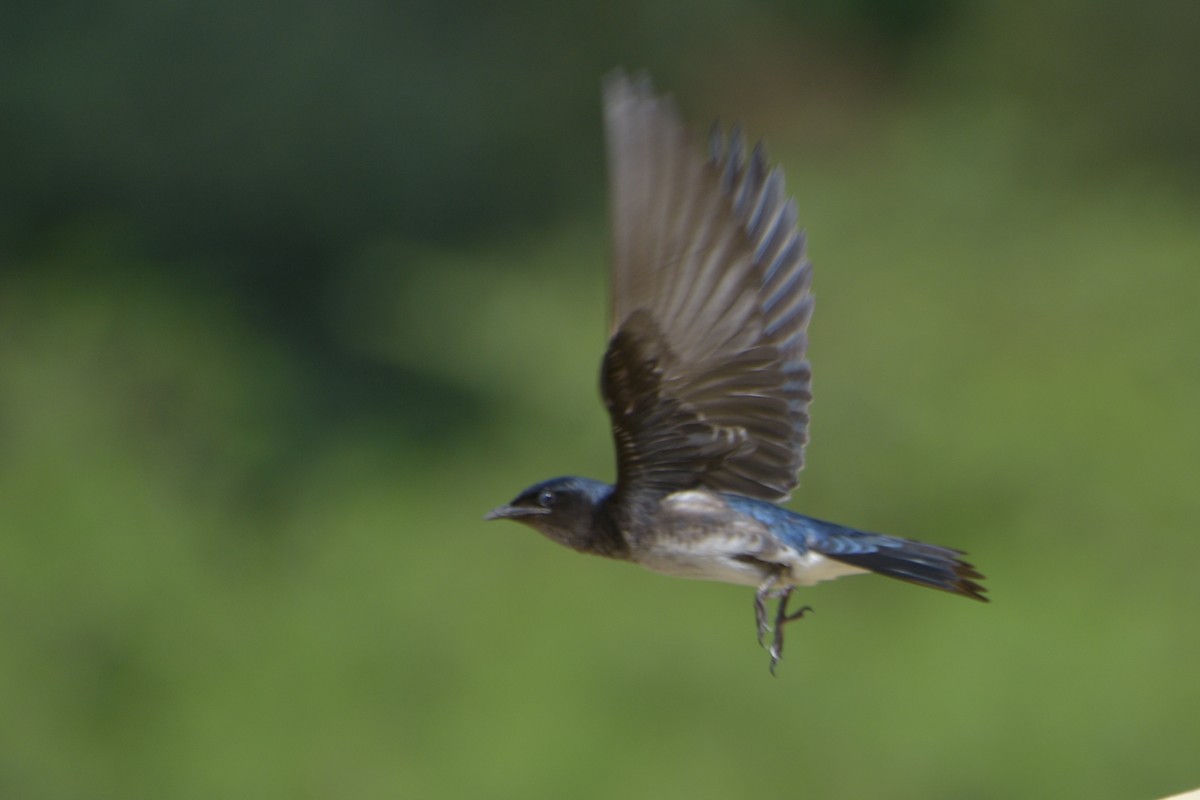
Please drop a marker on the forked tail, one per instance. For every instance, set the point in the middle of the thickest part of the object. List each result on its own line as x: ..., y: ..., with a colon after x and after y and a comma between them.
x: 903, y: 559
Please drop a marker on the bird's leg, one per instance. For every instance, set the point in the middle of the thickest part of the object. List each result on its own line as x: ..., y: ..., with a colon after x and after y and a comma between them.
x: 766, y: 591
x: 770, y: 589
x: 782, y: 617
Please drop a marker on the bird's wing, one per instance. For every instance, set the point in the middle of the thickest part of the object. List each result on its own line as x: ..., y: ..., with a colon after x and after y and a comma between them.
x: 705, y: 376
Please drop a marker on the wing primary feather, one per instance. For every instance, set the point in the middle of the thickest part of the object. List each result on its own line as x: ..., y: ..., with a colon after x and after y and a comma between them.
x: 749, y: 188
x: 790, y: 255
x: 734, y: 158
x: 777, y: 234
x: 797, y: 317
x: 716, y: 142
x: 690, y: 265
x: 769, y: 199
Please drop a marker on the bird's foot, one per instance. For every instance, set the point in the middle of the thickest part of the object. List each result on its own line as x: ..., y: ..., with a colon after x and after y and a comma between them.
x: 760, y: 614
x: 768, y: 591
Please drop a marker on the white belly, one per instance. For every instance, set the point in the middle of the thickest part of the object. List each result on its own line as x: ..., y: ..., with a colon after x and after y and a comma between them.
x: 714, y: 563
x: 739, y: 553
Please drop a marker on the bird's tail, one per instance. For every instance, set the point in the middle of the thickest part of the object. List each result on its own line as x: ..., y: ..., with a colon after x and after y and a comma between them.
x: 903, y: 559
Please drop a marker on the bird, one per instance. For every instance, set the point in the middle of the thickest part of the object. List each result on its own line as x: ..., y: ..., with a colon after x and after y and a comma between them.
x: 706, y: 380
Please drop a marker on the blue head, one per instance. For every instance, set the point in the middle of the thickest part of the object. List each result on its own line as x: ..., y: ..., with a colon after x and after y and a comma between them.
x: 564, y: 510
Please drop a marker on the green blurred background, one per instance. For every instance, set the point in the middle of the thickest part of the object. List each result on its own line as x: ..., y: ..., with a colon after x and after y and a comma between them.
x: 292, y: 293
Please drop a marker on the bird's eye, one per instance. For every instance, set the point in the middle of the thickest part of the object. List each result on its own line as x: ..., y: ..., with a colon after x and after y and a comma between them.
x: 546, y: 498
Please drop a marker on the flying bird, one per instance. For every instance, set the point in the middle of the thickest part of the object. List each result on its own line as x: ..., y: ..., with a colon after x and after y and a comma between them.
x: 706, y: 381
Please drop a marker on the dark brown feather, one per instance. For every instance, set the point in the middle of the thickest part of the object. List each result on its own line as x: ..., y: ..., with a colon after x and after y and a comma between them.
x: 705, y: 376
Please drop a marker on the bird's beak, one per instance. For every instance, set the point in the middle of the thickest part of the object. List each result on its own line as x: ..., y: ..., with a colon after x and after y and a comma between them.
x: 502, y: 512
x: 513, y: 512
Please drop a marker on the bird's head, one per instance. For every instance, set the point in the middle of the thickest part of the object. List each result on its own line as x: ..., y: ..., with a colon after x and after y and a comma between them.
x: 562, y: 509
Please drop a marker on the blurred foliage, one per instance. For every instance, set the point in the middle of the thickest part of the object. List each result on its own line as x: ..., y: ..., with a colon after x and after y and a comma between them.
x: 291, y: 294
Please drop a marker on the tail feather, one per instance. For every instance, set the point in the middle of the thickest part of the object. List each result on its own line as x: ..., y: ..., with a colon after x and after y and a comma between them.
x: 908, y: 560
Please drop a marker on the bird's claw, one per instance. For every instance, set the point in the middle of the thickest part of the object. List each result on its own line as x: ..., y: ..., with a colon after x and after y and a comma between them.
x: 782, y: 617
x: 798, y: 613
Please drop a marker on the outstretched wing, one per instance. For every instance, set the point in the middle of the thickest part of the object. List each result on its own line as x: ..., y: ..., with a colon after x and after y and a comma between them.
x: 705, y: 377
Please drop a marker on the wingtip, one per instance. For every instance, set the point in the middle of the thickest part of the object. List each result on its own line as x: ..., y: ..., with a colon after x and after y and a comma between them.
x: 635, y: 83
